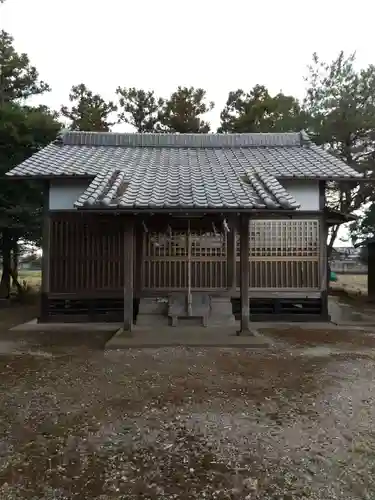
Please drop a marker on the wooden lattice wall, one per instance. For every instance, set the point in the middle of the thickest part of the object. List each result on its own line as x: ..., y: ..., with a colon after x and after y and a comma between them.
x: 86, y: 253
x: 283, y: 254
x: 165, y: 260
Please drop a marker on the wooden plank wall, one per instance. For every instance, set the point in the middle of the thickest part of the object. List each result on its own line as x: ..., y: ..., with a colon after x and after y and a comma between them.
x: 87, y: 253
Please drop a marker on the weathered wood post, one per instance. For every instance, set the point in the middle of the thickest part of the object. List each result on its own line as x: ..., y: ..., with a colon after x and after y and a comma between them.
x: 371, y: 270
x: 231, y: 256
x: 323, y: 253
x: 128, y: 274
x: 46, y: 243
x: 244, y: 273
x: 138, y: 260
x: 323, y: 268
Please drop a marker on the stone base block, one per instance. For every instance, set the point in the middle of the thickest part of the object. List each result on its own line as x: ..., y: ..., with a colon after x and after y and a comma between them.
x: 221, y: 313
x: 153, y: 306
x: 152, y: 312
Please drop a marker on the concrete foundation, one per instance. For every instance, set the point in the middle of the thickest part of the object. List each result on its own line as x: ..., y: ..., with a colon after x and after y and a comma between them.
x: 205, y: 311
x: 35, y: 326
x: 153, y: 312
x: 221, y: 312
x: 187, y: 336
x: 197, y: 311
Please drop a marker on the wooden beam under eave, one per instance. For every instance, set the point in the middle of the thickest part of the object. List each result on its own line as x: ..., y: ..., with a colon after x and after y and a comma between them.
x: 244, y: 273
x: 128, y: 274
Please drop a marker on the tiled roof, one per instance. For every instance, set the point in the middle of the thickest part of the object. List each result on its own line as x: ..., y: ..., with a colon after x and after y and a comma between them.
x: 187, y: 170
x: 186, y: 188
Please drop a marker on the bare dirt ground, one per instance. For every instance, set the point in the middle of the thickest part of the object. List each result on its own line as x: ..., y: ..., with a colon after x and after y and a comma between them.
x: 177, y: 423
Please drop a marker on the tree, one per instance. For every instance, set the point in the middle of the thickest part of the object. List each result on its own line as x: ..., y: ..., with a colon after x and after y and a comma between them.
x: 33, y: 259
x: 364, y: 228
x: 89, y: 111
x: 340, y: 102
x: 23, y: 130
x: 258, y: 111
x: 18, y: 78
x: 183, y: 111
x: 139, y: 108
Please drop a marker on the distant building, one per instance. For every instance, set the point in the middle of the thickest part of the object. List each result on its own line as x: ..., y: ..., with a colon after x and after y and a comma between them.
x: 347, y: 260
x: 345, y: 253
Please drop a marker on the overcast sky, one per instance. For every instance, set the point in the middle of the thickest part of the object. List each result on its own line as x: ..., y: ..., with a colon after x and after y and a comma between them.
x: 220, y: 46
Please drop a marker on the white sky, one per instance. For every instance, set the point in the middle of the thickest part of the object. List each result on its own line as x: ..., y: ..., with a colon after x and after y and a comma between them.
x: 220, y: 46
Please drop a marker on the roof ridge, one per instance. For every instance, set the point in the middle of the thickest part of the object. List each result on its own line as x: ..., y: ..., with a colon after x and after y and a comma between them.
x: 170, y: 140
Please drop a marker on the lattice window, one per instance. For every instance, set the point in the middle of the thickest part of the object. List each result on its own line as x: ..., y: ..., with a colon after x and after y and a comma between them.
x: 283, y: 254
x: 167, y: 265
x: 208, y: 245
x: 166, y: 245
x: 283, y: 238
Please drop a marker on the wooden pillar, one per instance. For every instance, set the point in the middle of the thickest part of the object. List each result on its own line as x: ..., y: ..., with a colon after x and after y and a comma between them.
x: 231, y: 257
x: 371, y: 270
x: 46, y: 259
x: 128, y: 274
x: 244, y: 273
x: 324, y: 268
x: 138, y: 261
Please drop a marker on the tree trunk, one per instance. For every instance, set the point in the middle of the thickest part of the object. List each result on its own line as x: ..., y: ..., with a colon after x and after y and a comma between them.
x: 16, y: 283
x: 332, y: 239
x: 15, y: 264
x: 6, y: 258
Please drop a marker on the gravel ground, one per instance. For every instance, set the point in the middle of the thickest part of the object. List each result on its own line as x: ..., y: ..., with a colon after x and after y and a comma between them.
x: 187, y: 424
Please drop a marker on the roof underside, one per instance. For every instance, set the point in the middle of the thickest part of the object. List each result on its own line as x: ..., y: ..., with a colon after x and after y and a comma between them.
x: 187, y: 170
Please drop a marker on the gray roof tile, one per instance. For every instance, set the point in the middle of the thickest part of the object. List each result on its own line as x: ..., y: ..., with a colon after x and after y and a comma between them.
x: 187, y: 170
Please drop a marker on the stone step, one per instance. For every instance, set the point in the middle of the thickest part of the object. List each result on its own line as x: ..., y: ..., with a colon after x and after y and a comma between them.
x: 178, y: 307
x: 153, y: 312
x: 221, y: 313
x: 205, y: 311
